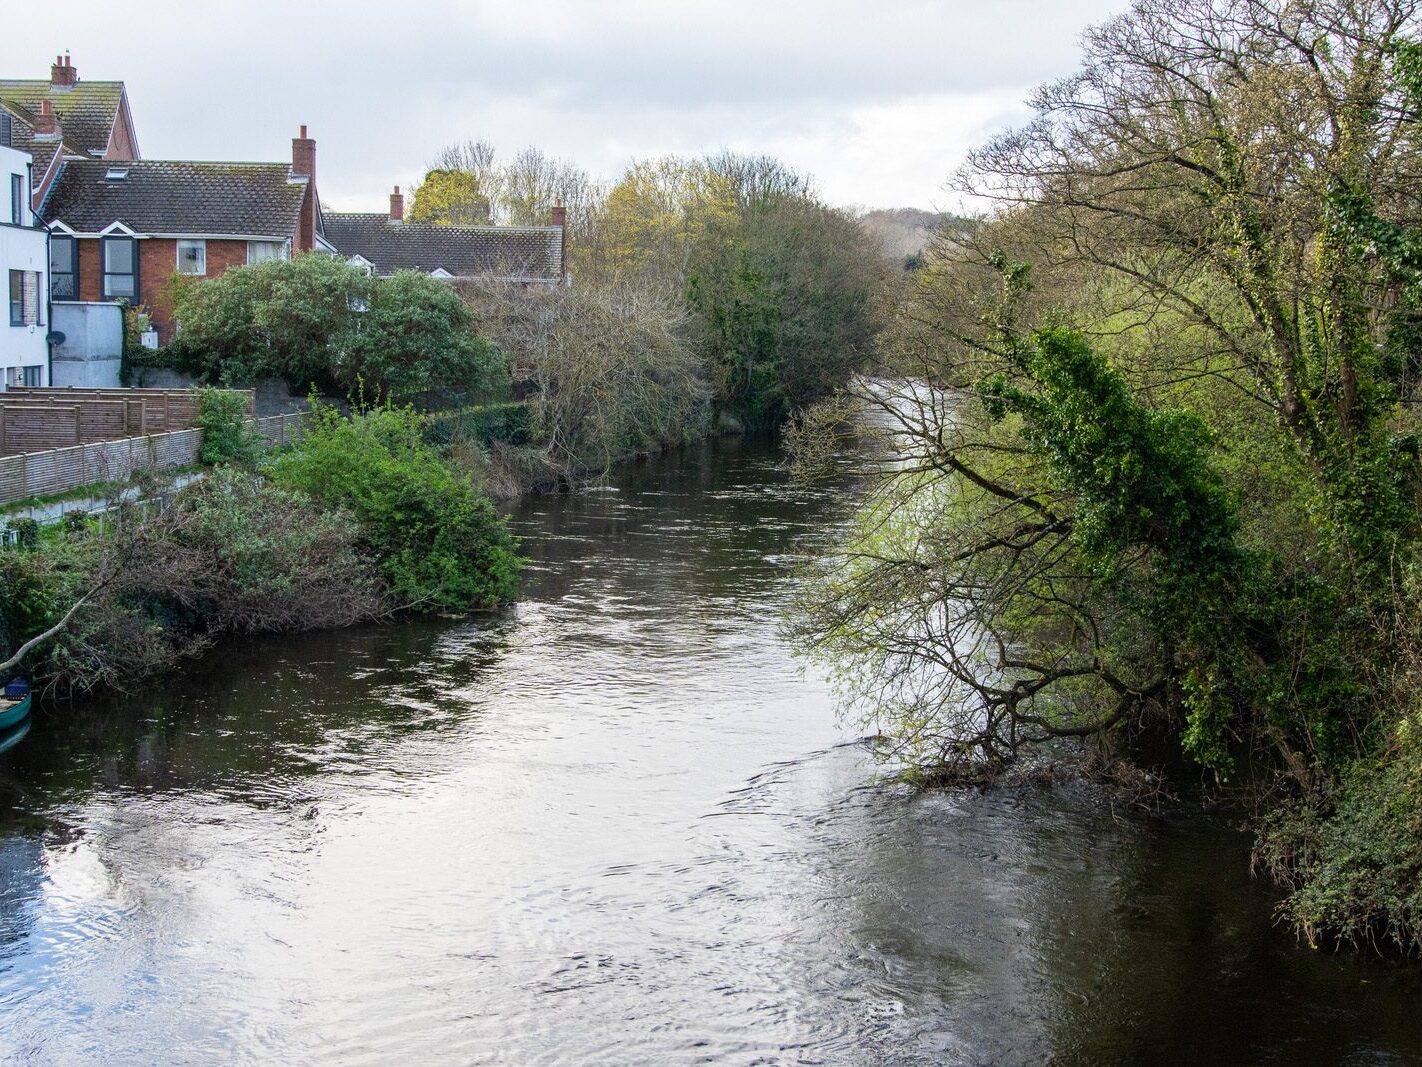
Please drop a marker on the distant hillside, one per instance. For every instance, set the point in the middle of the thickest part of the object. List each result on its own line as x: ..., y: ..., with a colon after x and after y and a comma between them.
x: 904, y: 231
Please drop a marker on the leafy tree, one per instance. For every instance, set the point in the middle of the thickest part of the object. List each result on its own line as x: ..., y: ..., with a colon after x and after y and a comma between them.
x: 1169, y: 491
x: 317, y: 321
x: 453, y: 198
x: 416, y: 336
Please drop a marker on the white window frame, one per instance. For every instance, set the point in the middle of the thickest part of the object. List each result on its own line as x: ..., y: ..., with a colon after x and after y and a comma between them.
x: 200, y: 246
x: 283, y: 251
x: 26, y: 307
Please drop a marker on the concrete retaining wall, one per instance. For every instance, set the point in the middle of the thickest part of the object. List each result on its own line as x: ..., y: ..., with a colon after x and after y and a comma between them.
x: 59, y: 470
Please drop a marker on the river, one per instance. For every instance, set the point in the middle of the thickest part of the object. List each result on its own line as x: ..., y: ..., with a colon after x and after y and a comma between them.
x: 616, y: 824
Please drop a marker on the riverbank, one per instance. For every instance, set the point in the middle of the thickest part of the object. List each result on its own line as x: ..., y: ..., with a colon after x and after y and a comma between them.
x: 359, y: 519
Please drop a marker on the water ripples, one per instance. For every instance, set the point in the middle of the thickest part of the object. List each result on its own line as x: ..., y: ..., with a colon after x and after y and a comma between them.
x: 615, y: 824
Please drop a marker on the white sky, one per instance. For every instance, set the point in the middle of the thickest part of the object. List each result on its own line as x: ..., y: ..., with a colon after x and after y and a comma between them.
x: 877, y: 99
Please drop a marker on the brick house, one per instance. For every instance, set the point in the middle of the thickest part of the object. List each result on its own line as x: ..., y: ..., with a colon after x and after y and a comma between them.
x: 385, y: 243
x: 123, y: 230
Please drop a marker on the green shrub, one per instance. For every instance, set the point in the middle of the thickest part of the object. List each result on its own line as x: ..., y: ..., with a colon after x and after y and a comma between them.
x: 437, y: 537
x: 227, y: 436
x: 26, y: 531
x: 507, y: 423
x: 1355, y: 873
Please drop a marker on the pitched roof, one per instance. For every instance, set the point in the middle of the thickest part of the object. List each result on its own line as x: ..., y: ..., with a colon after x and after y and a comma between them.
x: 174, y: 197
x: 86, y: 112
x: 520, y: 252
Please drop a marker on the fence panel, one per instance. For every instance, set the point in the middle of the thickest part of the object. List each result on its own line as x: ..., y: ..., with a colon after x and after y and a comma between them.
x: 57, y: 470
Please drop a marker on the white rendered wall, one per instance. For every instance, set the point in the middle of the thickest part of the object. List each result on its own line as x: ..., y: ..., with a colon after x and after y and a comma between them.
x: 21, y: 248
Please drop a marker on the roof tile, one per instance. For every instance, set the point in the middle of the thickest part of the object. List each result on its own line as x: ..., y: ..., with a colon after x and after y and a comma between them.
x: 172, y: 196
x: 518, y: 252
x: 86, y: 111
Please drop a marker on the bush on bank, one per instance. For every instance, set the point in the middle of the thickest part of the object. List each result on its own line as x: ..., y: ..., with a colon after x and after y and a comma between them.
x: 357, y: 520
x: 436, y: 536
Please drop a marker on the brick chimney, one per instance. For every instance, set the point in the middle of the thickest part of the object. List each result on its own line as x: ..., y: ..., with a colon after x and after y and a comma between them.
x: 46, y: 122
x: 63, y: 75
x: 303, y: 155
x: 303, y: 162
x: 558, y: 216
x: 397, y: 206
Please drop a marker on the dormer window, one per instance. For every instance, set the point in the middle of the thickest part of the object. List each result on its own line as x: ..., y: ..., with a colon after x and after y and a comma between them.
x: 116, y: 174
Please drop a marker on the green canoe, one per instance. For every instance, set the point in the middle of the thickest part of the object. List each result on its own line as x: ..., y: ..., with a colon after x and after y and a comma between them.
x: 11, y: 712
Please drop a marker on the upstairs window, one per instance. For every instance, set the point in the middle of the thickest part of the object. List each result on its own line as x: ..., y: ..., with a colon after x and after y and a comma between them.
x: 63, y: 268
x: 264, y: 251
x: 192, y: 257
x: 25, y: 298
x: 120, y: 255
x: 17, y: 199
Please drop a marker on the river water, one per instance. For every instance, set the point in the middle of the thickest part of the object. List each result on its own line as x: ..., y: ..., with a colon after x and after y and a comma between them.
x: 615, y: 825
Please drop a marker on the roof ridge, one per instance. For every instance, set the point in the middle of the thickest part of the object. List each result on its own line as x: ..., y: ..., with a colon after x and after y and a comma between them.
x: 492, y: 227
x: 46, y: 81
x: 195, y: 162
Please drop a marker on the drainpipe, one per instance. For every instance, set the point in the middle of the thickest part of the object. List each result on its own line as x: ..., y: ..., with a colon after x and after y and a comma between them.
x: 48, y: 282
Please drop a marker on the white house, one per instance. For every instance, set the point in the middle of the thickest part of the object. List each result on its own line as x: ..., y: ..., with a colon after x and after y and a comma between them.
x: 24, y: 264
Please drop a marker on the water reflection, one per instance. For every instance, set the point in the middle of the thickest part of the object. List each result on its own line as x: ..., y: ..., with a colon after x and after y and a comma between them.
x: 612, y: 825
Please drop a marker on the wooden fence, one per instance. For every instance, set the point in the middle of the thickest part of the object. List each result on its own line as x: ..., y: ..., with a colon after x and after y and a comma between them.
x: 36, y: 419
x: 58, y: 470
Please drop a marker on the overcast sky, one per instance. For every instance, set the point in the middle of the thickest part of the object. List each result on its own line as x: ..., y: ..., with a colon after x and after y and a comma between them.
x: 877, y: 99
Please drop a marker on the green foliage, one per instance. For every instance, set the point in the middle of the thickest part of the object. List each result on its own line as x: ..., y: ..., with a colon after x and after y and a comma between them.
x: 30, y: 597
x: 26, y: 531
x: 438, y: 540
x: 1139, y: 479
x: 284, y: 318
x: 506, y: 423
x: 782, y: 295
x: 452, y: 198
x: 1140, y: 476
x: 227, y: 435
x: 314, y: 320
x: 1177, y: 502
x: 417, y: 336
x: 1354, y: 861
x: 780, y: 287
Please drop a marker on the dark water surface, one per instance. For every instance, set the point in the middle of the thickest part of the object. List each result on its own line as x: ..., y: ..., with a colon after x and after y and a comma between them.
x: 617, y: 826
